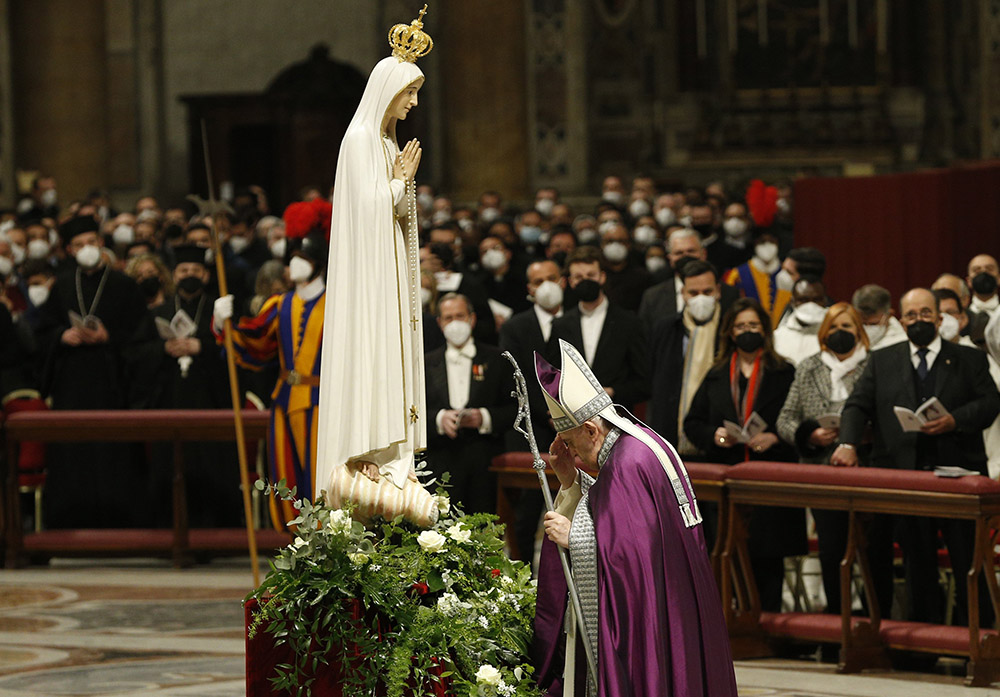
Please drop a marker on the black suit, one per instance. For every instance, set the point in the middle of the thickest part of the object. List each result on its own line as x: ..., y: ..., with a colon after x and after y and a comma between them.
x: 659, y: 302
x: 666, y: 354
x: 467, y: 457
x: 620, y: 361
x: 774, y: 532
x: 962, y: 382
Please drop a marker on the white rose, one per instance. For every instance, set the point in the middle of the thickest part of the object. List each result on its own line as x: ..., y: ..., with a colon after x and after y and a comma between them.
x: 340, y: 522
x: 443, y: 503
x: 459, y: 533
x: 299, y: 542
x: 431, y: 541
x: 488, y: 674
x: 358, y: 558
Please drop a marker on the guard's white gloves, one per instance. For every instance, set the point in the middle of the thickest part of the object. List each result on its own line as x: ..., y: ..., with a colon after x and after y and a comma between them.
x: 222, y: 311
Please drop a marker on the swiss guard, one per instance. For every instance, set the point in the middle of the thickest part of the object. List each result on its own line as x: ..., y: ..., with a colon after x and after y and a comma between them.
x: 289, y: 329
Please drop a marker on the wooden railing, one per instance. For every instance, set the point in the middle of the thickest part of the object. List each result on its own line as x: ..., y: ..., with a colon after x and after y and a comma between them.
x: 128, y: 426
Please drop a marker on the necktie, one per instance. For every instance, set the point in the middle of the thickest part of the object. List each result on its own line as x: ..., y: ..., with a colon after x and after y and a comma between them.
x: 922, y: 365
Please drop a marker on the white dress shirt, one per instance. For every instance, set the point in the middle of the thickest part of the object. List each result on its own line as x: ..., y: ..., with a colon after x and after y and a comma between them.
x: 545, y: 320
x: 933, y: 349
x: 591, y: 324
x: 458, y: 364
x: 679, y: 293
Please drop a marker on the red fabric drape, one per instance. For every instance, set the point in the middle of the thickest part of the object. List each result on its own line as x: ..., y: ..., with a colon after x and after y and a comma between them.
x: 901, y: 230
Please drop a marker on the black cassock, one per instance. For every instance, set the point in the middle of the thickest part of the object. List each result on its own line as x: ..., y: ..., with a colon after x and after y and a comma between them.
x: 92, y: 484
x: 211, y: 468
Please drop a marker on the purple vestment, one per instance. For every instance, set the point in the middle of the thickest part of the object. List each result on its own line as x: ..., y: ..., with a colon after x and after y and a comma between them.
x: 661, y: 631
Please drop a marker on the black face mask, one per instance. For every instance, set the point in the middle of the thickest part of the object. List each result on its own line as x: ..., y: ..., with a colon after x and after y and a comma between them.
x: 984, y: 284
x: 191, y: 285
x: 587, y: 291
x: 841, y: 341
x: 749, y: 341
x: 921, y: 332
x: 704, y: 229
x: 150, y: 286
x: 559, y: 258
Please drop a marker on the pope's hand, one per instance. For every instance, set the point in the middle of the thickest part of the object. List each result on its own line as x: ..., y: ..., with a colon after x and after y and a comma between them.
x: 562, y: 462
x: 222, y: 310
x: 557, y: 528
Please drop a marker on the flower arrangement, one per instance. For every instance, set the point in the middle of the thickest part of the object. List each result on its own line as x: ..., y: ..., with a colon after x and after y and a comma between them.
x: 441, y: 607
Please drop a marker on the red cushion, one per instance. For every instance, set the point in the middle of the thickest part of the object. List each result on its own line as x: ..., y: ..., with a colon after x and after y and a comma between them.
x: 517, y: 460
x: 812, y: 626
x: 933, y: 638
x: 31, y: 455
x: 707, y: 471
x: 869, y: 477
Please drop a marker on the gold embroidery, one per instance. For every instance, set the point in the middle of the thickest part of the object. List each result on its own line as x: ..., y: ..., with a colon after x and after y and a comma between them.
x: 413, y: 414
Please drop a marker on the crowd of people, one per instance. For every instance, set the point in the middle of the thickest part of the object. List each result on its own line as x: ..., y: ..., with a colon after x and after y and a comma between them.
x: 692, y: 307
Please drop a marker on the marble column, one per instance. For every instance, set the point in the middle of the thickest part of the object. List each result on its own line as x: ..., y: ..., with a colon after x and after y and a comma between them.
x: 60, y: 79
x: 484, y: 107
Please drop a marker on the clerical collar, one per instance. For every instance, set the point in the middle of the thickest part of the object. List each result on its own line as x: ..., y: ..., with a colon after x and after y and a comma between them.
x: 311, y: 290
x: 609, y: 443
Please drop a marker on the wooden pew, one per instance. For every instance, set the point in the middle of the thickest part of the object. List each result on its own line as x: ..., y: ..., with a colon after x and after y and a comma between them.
x: 129, y: 426
x: 864, y: 641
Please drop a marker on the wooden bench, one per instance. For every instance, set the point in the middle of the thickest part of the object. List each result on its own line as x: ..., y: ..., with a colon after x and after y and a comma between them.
x: 130, y: 426
x: 864, y: 640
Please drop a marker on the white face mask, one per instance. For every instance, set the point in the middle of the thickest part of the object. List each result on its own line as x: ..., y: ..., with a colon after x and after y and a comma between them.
x: 665, y: 217
x: 587, y: 235
x: 545, y: 206
x: 615, y: 198
x: 654, y: 264
x: 278, y: 248
x: 442, y: 216
x: 766, y: 252
x: 615, y: 252
x: 607, y: 226
x: 685, y: 221
x: 38, y: 249
x: 425, y: 296
x: 466, y: 224
x: 299, y: 270
x: 549, y: 295
x: 18, y: 252
x: 638, y: 208
x: 6, y: 266
x: 489, y: 214
x: 875, y: 333
x: 49, y: 198
x: 493, y: 259
x: 457, y: 332
x: 735, y: 227
x: 238, y: 244
x: 645, y: 235
x: 425, y: 201
x: 89, y: 256
x: 810, y: 313
x: 38, y: 295
x: 701, y: 307
x: 949, y: 327
x: 784, y: 280
x: 123, y: 234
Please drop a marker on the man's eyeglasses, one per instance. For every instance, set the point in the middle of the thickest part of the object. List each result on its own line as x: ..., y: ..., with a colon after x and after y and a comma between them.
x: 926, y: 313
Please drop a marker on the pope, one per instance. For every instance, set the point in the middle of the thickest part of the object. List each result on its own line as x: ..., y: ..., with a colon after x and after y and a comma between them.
x: 650, y: 603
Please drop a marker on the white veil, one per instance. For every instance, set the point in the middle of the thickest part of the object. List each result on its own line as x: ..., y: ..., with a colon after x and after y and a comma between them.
x: 372, y: 362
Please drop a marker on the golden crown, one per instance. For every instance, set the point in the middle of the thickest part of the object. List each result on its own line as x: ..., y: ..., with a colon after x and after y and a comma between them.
x: 410, y: 42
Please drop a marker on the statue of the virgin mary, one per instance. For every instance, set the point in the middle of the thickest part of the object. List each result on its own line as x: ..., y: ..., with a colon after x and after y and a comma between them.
x: 372, y: 418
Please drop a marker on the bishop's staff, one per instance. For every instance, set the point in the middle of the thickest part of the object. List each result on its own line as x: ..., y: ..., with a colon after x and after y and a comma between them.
x: 234, y: 385
x: 522, y: 424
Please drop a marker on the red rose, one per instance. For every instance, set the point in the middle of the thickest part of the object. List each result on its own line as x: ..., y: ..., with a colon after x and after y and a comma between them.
x: 420, y: 588
x: 495, y: 573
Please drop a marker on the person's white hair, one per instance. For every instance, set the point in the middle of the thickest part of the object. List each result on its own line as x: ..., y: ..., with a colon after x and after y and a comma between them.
x: 682, y: 234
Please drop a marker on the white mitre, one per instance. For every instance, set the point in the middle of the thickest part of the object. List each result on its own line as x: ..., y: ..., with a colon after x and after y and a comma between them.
x: 574, y: 395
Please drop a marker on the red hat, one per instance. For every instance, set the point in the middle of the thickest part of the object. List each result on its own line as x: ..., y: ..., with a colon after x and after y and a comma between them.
x: 762, y: 201
x: 304, y: 217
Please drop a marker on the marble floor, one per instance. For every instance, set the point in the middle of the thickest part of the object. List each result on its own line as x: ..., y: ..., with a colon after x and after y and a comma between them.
x: 140, y: 628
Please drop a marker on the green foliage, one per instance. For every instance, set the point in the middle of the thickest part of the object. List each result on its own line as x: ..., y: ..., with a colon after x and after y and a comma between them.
x: 445, y: 599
